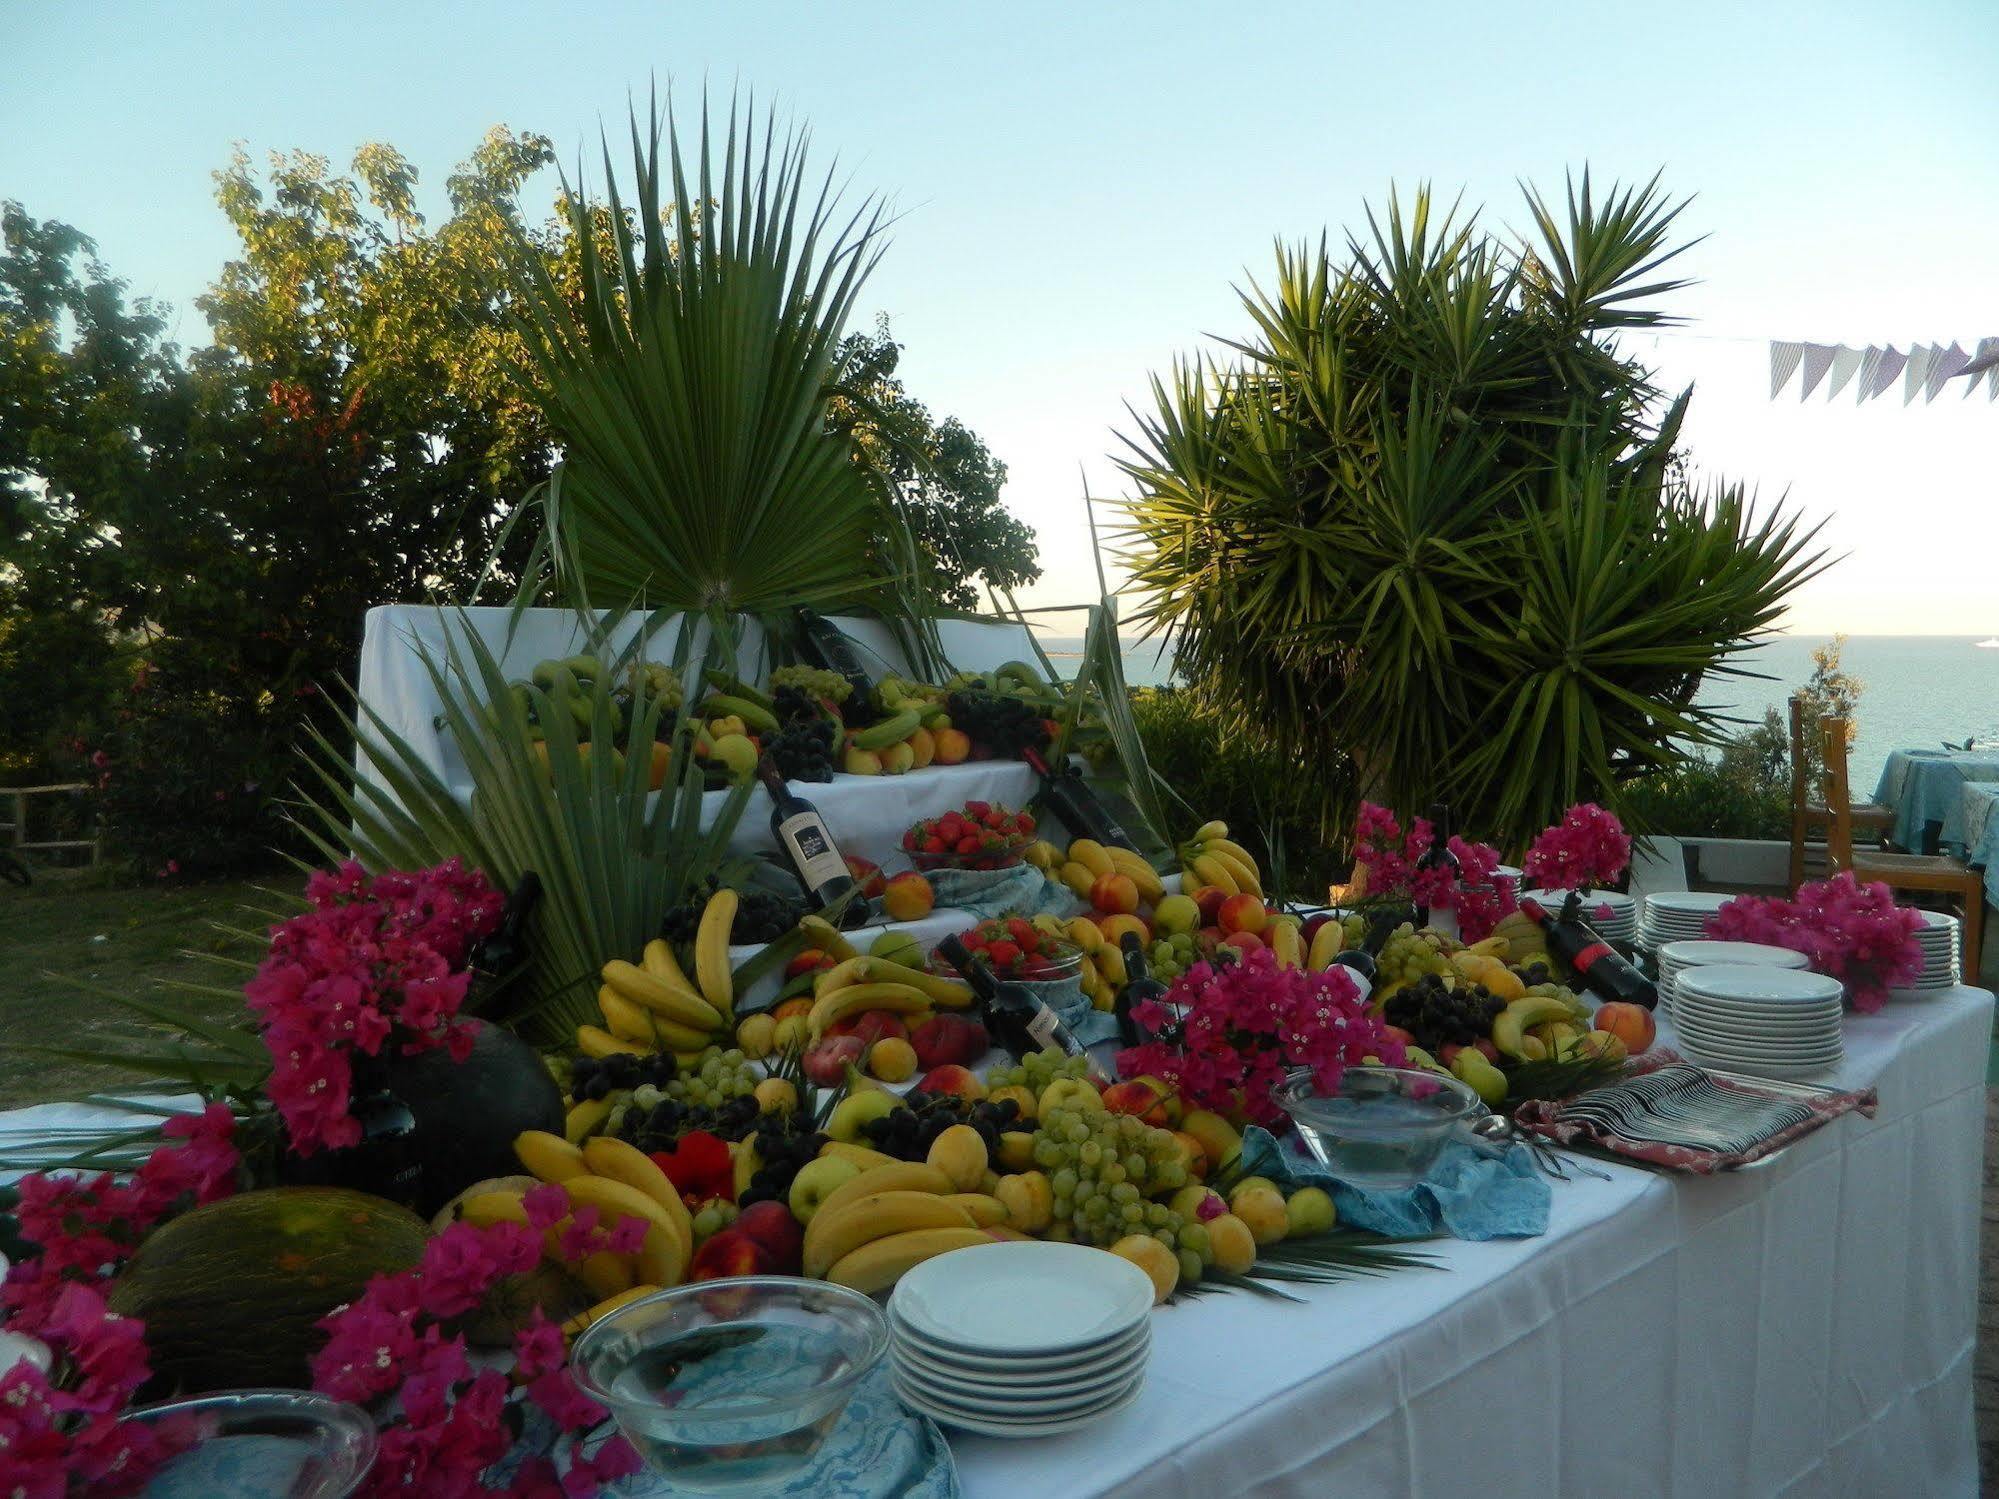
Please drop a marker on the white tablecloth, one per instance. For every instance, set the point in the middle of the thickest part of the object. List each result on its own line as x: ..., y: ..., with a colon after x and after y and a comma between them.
x: 1802, y: 1329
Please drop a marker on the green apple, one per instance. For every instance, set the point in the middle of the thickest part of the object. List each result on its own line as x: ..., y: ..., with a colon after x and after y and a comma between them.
x: 1310, y: 1211
x: 899, y: 948
x: 1175, y: 913
x: 858, y: 1109
x: 815, y: 1183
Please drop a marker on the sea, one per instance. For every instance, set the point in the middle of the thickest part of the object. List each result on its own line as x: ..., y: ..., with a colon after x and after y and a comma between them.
x: 1917, y: 691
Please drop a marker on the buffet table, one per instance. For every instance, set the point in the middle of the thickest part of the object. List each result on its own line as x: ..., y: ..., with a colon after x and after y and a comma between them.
x: 1803, y: 1328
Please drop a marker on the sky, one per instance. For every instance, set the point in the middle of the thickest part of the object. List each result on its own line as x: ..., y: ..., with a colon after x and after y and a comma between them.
x: 1082, y: 188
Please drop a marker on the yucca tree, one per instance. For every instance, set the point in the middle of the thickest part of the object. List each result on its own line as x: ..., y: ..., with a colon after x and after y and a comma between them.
x: 1427, y: 514
x: 687, y: 373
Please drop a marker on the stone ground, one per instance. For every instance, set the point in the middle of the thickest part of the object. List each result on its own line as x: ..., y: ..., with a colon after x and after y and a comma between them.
x: 1985, y: 1377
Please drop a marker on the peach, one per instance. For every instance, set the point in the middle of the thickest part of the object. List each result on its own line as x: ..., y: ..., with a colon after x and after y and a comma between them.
x: 826, y: 1064
x: 1158, y: 1262
x: 867, y: 874
x: 801, y: 1006
x: 770, y: 1224
x: 1243, y: 913
x: 1023, y: 1099
x: 960, y: 1153
x: 1631, y: 1024
x: 1192, y: 1152
x: 953, y: 1080
x: 892, y: 1059
x: 1208, y: 901
x: 1114, y: 927
x: 1233, y: 1243
x: 1244, y: 941
x: 1397, y: 1033
x: 953, y: 747
x: 728, y: 1254
x: 1114, y: 894
x: 923, y: 745
x: 1138, y: 1097
x: 808, y: 960
x: 908, y: 897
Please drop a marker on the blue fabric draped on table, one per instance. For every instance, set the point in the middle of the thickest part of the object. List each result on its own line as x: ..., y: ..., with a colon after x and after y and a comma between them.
x: 1921, y: 787
x: 1977, y: 804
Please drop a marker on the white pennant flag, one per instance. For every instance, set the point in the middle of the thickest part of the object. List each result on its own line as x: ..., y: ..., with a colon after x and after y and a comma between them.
x: 1917, y: 370
x: 1886, y: 368
x: 1818, y: 359
x: 1845, y: 362
x: 1783, y: 360
x: 1985, y: 365
x: 1949, y: 362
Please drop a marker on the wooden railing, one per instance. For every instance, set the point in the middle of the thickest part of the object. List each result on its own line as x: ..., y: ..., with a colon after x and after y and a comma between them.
x: 17, y: 830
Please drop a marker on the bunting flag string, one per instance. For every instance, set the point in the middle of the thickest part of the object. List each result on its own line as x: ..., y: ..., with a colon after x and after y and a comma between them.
x: 1926, y: 369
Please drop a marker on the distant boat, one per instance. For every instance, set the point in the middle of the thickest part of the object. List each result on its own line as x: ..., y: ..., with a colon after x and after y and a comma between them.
x: 1989, y: 645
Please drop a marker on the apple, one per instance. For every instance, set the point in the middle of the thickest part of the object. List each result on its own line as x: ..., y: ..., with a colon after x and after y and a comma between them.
x: 1138, y: 1097
x: 1114, y: 894
x: 1208, y: 901
x: 1631, y: 1024
x: 900, y: 948
x: 1243, y: 913
x: 871, y: 1026
x: 1244, y: 941
x: 807, y: 961
x: 953, y: 1080
x: 1176, y: 913
x: 1312, y: 924
x: 770, y: 1224
x: 728, y: 1254
x: 1484, y: 1046
x: 945, y: 1039
x: 857, y: 1110
x: 815, y: 1182
x: 1397, y: 1033
x: 1310, y: 1211
x: 826, y: 1064
x: 800, y: 1006
x: 867, y: 874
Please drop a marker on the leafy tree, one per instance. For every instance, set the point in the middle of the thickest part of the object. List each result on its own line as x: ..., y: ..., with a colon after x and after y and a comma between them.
x: 948, y: 481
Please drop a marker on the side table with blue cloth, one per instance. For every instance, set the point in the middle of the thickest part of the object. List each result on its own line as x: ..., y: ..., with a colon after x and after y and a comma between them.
x: 1978, y: 821
x: 1921, y: 786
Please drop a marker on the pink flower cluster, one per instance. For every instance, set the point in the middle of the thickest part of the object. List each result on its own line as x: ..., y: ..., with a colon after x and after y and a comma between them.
x: 451, y: 1424
x: 374, y: 961
x: 1588, y: 847
x: 1248, y: 1024
x: 1850, y: 931
x: 60, y: 1433
x: 1477, y: 894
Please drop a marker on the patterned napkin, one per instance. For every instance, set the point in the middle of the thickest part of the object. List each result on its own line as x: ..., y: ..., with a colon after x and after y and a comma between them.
x: 1464, y: 1194
x: 1022, y: 890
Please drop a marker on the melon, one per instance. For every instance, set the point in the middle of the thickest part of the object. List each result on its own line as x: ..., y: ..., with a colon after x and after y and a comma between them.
x: 230, y: 1292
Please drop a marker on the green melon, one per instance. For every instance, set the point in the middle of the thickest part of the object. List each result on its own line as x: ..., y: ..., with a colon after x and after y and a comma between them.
x: 229, y: 1292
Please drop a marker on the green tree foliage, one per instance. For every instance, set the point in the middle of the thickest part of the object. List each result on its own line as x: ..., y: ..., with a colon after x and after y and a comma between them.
x: 948, y: 482
x: 1427, y: 514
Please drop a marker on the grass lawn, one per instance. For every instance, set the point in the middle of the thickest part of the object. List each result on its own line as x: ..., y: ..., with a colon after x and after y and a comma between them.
x: 80, y: 924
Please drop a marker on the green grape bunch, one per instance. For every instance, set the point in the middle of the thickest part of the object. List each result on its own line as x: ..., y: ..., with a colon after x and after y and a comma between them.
x: 812, y: 680
x: 1105, y: 1170
x: 715, y: 1077
x: 1038, y: 1069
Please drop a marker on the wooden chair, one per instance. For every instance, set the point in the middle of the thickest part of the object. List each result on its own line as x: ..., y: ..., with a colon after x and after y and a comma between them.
x: 1807, y: 813
x: 1932, y: 872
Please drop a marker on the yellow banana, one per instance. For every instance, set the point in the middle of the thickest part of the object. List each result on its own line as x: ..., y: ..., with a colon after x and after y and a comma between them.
x: 897, y: 999
x: 662, y: 1259
x: 584, y: 1120
x: 1077, y: 877
x: 604, y: 1274
x: 1140, y: 873
x: 549, y: 1157
x: 489, y: 1208
x: 1234, y: 850
x: 822, y: 934
x: 903, y: 1176
x: 1085, y: 933
x: 879, y: 1264
x: 1189, y: 881
x: 604, y: 1308
x: 833, y: 1236
x: 1287, y: 945
x: 663, y: 965
x: 860, y: 1155
x: 851, y: 971
x: 1093, y: 856
x: 614, y: 1200
x: 1240, y: 870
x: 622, y: 1161
x: 1110, y: 965
x: 711, y: 952
x: 625, y: 1020
x: 986, y: 1211
x: 1212, y: 871
x: 680, y: 1005
x: 1326, y: 944
x: 951, y: 993
x: 594, y: 1041
x: 1208, y: 830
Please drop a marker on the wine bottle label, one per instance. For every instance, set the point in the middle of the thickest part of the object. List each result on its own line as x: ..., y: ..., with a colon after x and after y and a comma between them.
x: 1589, y: 955
x: 1043, y: 1025
x: 811, y: 848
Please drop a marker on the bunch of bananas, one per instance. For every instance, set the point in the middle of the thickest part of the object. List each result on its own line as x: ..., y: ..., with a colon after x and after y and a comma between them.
x: 650, y: 1006
x: 618, y: 1180
x: 1209, y: 858
x: 1104, y: 973
x: 861, y: 982
x: 883, y: 1222
x: 1089, y: 861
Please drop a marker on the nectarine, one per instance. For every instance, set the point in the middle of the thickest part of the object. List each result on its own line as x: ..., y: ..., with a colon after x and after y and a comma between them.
x: 1631, y: 1024
x: 1243, y: 913
x: 1114, y: 894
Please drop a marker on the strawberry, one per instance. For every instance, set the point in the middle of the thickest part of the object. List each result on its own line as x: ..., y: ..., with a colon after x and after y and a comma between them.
x: 1003, y: 954
x: 934, y: 845
x: 1022, y: 931
x: 977, y: 809
x: 1023, y: 823
x: 968, y: 845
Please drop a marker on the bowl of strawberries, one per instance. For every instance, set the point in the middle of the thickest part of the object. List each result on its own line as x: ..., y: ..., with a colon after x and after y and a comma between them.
x: 1018, y: 951
x: 980, y: 835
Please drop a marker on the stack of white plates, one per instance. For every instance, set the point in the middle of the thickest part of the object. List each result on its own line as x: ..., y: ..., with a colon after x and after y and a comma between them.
x: 1617, y: 926
x: 1678, y: 916
x: 1020, y: 1339
x: 1941, y: 955
x: 1773, y: 1022
x: 1676, y: 957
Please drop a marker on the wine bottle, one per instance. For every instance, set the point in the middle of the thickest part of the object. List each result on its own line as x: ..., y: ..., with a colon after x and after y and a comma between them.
x: 831, y: 650
x: 1074, y: 804
x: 803, y: 835
x: 1014, y: 1015
x: 1139, y: 986
x: 1360, y: 961
x: 1438, y: 855
x: 505, y: 948
x: 1600, y: 966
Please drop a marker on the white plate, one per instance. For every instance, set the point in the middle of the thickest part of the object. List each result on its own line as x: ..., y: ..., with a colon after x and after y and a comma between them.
x: 973, y: 1300
x: 1037, y: 1373
x: 973, y: 1402
x: 1790, y: 1025
x: 1696, y: 904
x: 1058, y: 1365
x: 1707, y: 953
x: 1747, y: 1051
x: 1760, y: 987
x: 1720, y: 1033
x: 1767, y: 1069
x: 1001, y: 1391
x: 1023, y: 1428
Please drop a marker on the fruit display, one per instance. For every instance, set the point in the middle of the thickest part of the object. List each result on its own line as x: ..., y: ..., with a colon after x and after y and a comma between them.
x: 1113, y: 880
x: 754, y: 916
x: 804, y: 750
x: 1210, y: 857
x: 1017, y: 947
x: 984, y: 835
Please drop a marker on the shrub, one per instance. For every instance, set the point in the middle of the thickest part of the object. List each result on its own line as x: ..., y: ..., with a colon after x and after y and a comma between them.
x: 1742, y: 790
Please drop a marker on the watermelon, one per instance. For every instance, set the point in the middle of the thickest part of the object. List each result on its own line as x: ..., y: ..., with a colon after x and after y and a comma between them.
x: 230, y: 1292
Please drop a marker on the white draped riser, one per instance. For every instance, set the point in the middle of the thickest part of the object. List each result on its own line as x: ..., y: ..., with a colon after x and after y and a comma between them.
x: 1925, y: 370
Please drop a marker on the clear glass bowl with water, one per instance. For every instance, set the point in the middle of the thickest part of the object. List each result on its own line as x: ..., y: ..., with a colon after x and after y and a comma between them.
x: 259, y: 1444
x: 1383, y: 1126
x: 730, y: 1386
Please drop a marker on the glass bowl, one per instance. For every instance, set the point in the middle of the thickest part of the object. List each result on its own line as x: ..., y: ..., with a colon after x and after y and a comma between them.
x: 1061, y: 964
x: 1008, y: 856
x: 1383, y: 1127
x: 729, y: 1386
x: 259, y: 1444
